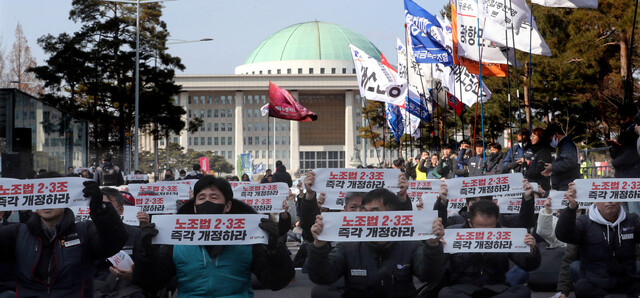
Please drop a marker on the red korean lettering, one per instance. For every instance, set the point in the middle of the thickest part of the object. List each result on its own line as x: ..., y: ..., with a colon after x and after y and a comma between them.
x: 205, y: 223
x: 180, y: 225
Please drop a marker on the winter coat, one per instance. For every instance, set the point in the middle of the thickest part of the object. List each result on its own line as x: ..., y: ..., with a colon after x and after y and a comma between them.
x: 540, y: 155
x: 376, y: 270
x: 446, y: 168
x: 524, y: 219
x: 494, y: 163
x: 475, y: 164
x: 515, y: 153
x: 547, y: 229
x: 61, y: 265
x: 626, y: 160
x: 281, y: 175
x: 106, y: 284
x: 565, y: 168
x: 227, y: 273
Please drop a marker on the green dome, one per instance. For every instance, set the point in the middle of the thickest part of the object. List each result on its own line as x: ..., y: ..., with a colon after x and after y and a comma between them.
x: 311, y: 41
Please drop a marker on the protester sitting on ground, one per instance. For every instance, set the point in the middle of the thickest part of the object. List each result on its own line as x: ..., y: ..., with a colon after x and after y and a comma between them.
x: 607, y: 237
x: 389, y: 266
x: 484, y: 274
x: 546, y: 227
x: 514, y: 161
x: 494, y: 159
x: 214, y: 270
x: 475, y: 165
x: 54, y: 256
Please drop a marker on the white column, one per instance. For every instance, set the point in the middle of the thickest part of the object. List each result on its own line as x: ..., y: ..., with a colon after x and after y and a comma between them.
x: 184, y: 135
x: 239, y: 145
x: 349, y: 127
x: 294, y: 142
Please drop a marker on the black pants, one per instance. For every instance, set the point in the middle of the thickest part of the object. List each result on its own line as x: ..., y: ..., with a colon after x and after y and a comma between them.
x: 585, y: 288
x: 474, y: 291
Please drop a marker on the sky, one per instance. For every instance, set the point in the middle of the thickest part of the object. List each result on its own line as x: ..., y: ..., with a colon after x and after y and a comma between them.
x: 236, y: 26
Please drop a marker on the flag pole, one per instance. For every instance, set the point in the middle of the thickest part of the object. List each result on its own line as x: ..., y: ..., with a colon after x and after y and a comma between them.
x: 274, y: 143
x: 481, y: 90
x: 268, y: 147
x: 408, y: 100
x: 515, y: 68
x: 506, y: 38
x: 531, y: 67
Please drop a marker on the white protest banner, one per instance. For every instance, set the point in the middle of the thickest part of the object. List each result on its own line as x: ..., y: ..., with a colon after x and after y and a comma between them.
x: 489, y: 185
x: 41, y: 193
x: 335, y: 180
x: 189, y: 182
x: 375, y: 81
x: 485, y: 240
x: 417, y: 189
x: 80, y: 213
x: 235, y: 184
x: 209, y: 229
x: 511, y: 204
x: 527, y: 38
x: 568, y: 3
x: 121, y: 260
x: 559, y: 201
x: 377, y: 226
x: 130, y: 215
x: 608, y: 190
x: 264, y: 198
x: 509, y: 16
x: 468, y: 38
x: 138, y: 178
x: 77, y: 171
x: 159, y: 198
x: 456, y: 204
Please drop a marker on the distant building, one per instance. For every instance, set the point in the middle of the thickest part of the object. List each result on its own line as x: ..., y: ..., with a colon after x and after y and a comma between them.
x: 311, y: 60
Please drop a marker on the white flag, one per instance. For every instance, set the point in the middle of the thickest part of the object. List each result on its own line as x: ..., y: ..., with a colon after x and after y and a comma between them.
x: 496, y: 33
x: 419, y: 74
x: 412, y: 125
x: 568, y: 3
x: 508, y: 14
x: 468, y: 26
x: 375, y: 81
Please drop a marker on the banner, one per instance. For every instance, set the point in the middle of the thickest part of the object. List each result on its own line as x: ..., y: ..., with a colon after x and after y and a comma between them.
x: 244, y: 165
x: 159, y: 197
x: 41, y: 193
x: 489, y: 185
x: 461, y: 38
x: 485, y: 240
x: 511, y: 204
x: 138, y: 178
x: 235, y: 184
x: 507, y: 15
x: 208, y: 229
x: 264, y: 198
x: 375, y: 81
x: 377, y: 226
x: 537, y: 45
x: 129, y: 214
x: 121, y: 260
x: 559, y: 201
x: 204, y: 164
x: 608, y: 190
x: 333, y: 181
x: 568, y: 3
x: 284, y: 106
x: 417, y: 189
x: 426, y: 35
x: 189, y: 182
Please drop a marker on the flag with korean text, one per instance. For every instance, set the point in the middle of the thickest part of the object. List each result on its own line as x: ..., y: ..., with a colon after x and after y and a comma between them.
x: 375, y: 81
x: 568, y: 3
x: 283, y: 105
x: 507, y: 14
x: 426, y: 35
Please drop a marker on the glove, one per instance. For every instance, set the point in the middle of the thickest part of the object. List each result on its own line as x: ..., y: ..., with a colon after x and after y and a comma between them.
x: 92, y: 190
x: 271, y: 228
x: 148, y: 232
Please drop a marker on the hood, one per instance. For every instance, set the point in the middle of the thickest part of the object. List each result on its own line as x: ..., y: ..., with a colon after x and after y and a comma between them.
x: 595, y: 216
x: 237, y: 207
x: 281, y: 168
x: 35, y: 226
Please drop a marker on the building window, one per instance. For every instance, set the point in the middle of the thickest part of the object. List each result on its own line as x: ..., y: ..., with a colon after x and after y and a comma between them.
x: 215, y: 127
x: 195, y: 141
x: 202, y: 114
x: 188, y: 138
x: 189, y: 114
x: 215, y: 113
x: 249, y: 127
x: 277, y: 154
x: 353, y: 70
x: 229, y: 114
x: 269, y: 71
x: 230, y: 99
x: 249, y: 113
x: 222, y: 113
x: 222, y: 127
x: 215, y: 141
x: 202, y: 141
x: 223, y: 99
x: 264, y: 140
x: 333, y: 70
x: 250, y: 98
x: 256, y: 112
x: 288, y: 70
x: 284, y: 140
x: 299, y: 70
x: 230, y: 154
x: 223, y: 141
x: 229, y: 141
x: 278, y: 71
x: 229, y: 127
x: 310, y: 70
x: 215, y: 99
x: 321, y: 70
x: 277, y: 140
x: 284, y: 126
x: 209, y: 113
x: 215, y: 152
x: 175, y: 140
x: 257, y: 141
x: 189, y: 99
x: 257, y: 127
x: 358, y: 140
x: 202, y: 127
x: 244, y: 141
x: 208, y: 100
x: 161, y: 142
x: 260, y: 72
x: 209, y: 141
x: 344, y: 70
x: 358, y: 98
x: 250, y: 140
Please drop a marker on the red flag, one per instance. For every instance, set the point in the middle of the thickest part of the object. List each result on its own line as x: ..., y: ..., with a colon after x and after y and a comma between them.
x: 455, y: 104
x: 284, y: 106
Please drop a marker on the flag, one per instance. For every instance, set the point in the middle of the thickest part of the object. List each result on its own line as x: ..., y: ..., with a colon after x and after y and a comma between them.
x: 450, y: 99
x: 394, y: 120
x: 282, y: 105
x: 426, y: 35
x: 411, y: 126
x: 376, y: 82
x: 258, y: 168
x: 497, y: 34
x: 415, y: 104
x: 568, y: 3
x: 244, y: 164
x: 507, y: 14
x: 488, y: 68
x: 418, y: 74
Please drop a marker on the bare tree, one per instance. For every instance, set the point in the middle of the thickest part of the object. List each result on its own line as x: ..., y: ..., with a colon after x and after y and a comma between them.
x: 20, y: 60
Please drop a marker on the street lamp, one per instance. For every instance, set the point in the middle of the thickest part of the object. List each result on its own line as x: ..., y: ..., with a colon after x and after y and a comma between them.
x: 137, y: 88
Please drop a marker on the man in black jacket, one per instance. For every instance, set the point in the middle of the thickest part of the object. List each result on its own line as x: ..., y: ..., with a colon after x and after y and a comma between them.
x: 475, y: 164
x: 626, y: 160
x: 281, y: 174
x: 484, y: 274
x: 377, y: 269
x: 607, y: 239
x: 108, y: 174
x: 565, y: 168
x: 54, y: 255
x: 230, y: 265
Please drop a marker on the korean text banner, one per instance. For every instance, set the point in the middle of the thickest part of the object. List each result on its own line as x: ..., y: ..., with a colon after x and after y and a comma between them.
x: 129, y: 214
x: 159, y: 197
x: 485, y: 240
x: 608, y: 190
x: 511, y: 204
x: 335, y: 180
x: 41, y: 193
x: 568, y: 3
x: 208, y: 229
x: 417, y: 189
x: 481, y: 186
x: 559, y: 201
x: 264, y: 198
x: 377, y: 226
x: 375, y: 81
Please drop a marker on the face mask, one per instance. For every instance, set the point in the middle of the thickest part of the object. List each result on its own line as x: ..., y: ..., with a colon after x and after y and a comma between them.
x: 210, y: 208
x: 554, y: 142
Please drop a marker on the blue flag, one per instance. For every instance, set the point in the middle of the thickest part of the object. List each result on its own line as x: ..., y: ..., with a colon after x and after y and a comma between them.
x: 394, y: 120
x: 426, y: 35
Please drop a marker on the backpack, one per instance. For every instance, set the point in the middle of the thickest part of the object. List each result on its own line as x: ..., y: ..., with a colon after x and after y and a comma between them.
x: 109, y: 175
